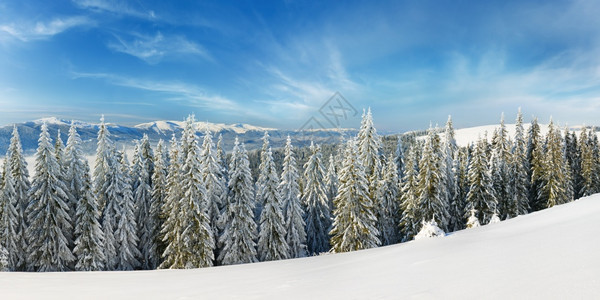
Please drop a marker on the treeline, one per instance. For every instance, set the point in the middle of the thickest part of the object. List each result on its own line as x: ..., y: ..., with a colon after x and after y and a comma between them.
x: 189, y: 205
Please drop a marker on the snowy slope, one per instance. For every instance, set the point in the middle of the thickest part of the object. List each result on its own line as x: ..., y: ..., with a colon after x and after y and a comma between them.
x: 552, y: 254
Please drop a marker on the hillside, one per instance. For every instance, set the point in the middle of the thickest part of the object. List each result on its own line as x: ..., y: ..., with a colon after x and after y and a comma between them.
x: 551, y: 254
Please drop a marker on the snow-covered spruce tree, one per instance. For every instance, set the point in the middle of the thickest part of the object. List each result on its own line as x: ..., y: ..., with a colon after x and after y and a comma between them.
x: 171, y: 209
x: 472, y: 221
x: 450, y: 149
x: 48, y: 213
x: 387, y: 193
x: 197, y: 235
x: 410, y: 219
x: 535, y: 153
x: 501, y: 162
x: 272, y: 244
x: 587, y: 164
x: 355, y: 223
x: 369, y: 155
x: 18, y: 167
x: 4, y: 263
x: 399, y: 158
x: 159, y: 194
x: 429, y: 229
x: 519, y: 182
x: 88, y: 235
x: 481, y: 196
x: 462, y: 184
x: 318, y: 211
x: 222, y: 158
x: 104, y: 153
x: 240, y: 232
x: 595, y: 146
x: 214, y: 181
x: 295, y: 234
x: 331, y: 182
x: 432, y: 192
x: 59, y: 152
x: 147, y: 220
x: 262, y: 177
x: 556, y: 180
x: 126, y: 230
x: 574, y: 161
x: 9, y: 222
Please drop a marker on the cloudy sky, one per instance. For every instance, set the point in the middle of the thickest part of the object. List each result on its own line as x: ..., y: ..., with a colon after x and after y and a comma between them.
x: 277, y: 63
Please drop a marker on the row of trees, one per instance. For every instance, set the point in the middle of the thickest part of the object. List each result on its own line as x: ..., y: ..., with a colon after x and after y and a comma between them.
x: 192, y: 206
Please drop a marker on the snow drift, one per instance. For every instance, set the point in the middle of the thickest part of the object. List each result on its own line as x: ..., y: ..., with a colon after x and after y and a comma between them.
x: 551, y: 254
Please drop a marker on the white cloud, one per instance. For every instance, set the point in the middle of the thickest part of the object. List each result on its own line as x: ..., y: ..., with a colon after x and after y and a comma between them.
x: 153, y: 49
x: 42, y: 30
x: 116, y: 7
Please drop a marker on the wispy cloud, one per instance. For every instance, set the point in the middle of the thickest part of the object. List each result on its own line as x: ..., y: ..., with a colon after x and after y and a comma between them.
x: 42, y: 30
x: 192, y: 95
x: 116, y: 8
x: 152, y: 49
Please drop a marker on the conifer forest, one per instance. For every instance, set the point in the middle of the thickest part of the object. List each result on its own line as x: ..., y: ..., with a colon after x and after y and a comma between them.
x: 189, y: 203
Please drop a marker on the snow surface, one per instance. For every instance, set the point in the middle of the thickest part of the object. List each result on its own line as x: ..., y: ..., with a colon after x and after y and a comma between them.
x: 551, y: 254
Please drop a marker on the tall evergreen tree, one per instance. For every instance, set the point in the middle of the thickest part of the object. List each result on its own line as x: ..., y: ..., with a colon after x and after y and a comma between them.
x: 262, y: 177
x: 355, y: 223
x: 318, y: 211
x: 369, y: 155
x: 9, y: 222
x: 574, y: 161
x: 556, y: 181
x: 272, y: 244
x: 18, y: 167
x: 159, y: 194
x: 431, y: 189
x: 535, y: 152
x: 450, y: 149
x: 399, y: 157
x: 126, y: 236
x: 410, y: 219
x: 214, y: 181
x: 587, y: 164
x: 331, y: 181
x: 104, y: 152
x: 48, y: 213
x: 481, y: 196
x: 387, y: 193
x: 295, y: 234
x: 240, y: 233
x: 519, y: 182
x: 501, y: 162
x: 171, y: 210
x: 197, y: 236
x: 147, y: 220
x: 88, y: 235
x: 59, y: 152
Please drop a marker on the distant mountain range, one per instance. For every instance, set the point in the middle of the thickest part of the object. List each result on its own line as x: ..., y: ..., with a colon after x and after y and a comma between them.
x: 125, y: 136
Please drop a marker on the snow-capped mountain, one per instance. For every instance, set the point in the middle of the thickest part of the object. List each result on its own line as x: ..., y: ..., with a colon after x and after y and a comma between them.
x: 124, y: 136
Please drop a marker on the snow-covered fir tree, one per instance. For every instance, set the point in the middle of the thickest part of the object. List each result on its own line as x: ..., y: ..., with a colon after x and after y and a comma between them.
x: 519, y: 182
x: 331, y: 181
x: 48, y: 213
x: 104, y: 157
x: 222, y: 157
x: 450, y: 149
x: 171, y: 209
x: 126, y: 233
x: 197, y: 235
x: 159, y: 193
x: 147, y: 220
x: 355, y: 222
x: 9, y: 222
x: 272, y: 244
x: 500, y: 168
x: 314, y: 198
x: 214, y: 181
x: 462, y: 184
x: 59, y: 152
x: 295, y: 233
x: 18, y: 167
x: 573, y: 160
x: 88, y: 235
x: 429, y: 229
x: 410, y: 219
x: 399, y: 158
x: 239, y: 235
x: 387, y: 193
x: 481, y: 196
x: 4, y: 263
x: 535, y: 153
x: 369, y: 155
x: 587, y: 164
x: 262, y: 177
x: 431, y: 189
x: 556, y: 178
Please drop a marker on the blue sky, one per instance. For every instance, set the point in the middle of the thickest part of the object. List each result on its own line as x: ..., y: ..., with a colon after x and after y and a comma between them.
x: 276, y: 63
